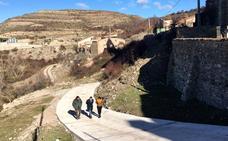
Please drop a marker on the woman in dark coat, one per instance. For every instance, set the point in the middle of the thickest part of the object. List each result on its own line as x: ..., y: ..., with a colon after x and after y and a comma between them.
x: 77, y: 104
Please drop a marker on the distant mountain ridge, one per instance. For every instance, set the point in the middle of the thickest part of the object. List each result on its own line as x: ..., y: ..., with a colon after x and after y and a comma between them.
x: 78, y: 24
x: 60, y: 23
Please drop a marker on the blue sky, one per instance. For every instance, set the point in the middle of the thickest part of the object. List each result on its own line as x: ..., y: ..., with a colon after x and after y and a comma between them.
x: 144, y: 8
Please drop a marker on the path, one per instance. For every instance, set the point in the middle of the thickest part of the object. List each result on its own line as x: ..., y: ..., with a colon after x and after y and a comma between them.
x: 48, y: 73
x: 113, y: 126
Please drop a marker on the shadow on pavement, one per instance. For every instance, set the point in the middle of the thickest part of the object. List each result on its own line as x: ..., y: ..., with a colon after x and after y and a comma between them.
x: 72, y: 112
x: 170, y: 130
x: 84, y: 113
x: 159, y: 130
x: 95, y: 114
x: 87, y: 114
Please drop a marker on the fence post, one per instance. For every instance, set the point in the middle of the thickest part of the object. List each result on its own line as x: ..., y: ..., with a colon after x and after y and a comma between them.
x: 37, y: 130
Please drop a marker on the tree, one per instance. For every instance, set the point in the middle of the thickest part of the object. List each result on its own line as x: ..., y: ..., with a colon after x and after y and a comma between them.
x: 12, y: 69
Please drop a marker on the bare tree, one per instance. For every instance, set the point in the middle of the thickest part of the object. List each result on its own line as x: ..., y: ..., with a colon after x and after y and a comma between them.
x: 12, y: 69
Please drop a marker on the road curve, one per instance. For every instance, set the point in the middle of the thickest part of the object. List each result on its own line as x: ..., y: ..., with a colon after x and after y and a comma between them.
x: 114, y: 126
x: 48, y: 74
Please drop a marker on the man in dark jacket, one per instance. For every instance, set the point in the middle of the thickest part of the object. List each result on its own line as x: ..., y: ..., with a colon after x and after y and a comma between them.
x: 77, y: 104
x: 89, y: 103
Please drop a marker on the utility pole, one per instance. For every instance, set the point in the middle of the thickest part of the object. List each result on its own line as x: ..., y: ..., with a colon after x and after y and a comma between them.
x: 198, y: 14
x: 219, y: 26
x: 110, y: 31
x: 220, y: 13
x: 149, y: 26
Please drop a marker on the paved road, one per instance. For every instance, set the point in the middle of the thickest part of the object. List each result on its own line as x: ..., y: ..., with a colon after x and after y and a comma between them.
x: 115, y: 126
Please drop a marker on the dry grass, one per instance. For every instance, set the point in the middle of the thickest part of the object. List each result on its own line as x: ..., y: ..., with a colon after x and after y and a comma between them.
x: 53, y: 133
x: 15, y: 90
x: 98, y: 63
x: 127, y: 101
x: 11, y: 124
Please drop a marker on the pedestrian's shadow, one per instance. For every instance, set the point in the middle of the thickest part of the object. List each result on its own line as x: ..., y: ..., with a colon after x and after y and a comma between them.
x: 84, y: 113
x: 72, y: 112
x: 95, y: 114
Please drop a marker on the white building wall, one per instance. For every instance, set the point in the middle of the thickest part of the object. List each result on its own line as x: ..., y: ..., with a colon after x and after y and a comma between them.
x: 87, y: 41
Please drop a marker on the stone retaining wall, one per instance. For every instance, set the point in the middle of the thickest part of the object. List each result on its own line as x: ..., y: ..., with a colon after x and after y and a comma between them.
x: 199, y: 69
x: 202, y: 32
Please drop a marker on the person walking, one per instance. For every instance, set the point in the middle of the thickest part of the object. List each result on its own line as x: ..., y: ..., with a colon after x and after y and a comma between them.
x: 99, y: 102
x: 89, y: 103
x: 77, y: 104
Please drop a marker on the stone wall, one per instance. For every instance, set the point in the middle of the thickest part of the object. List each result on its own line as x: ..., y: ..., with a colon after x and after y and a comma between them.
x: 202, y: 32
x: 199, y: 69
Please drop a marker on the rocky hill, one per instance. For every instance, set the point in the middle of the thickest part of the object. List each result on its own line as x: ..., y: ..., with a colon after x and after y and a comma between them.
x: 71, y: 24
x: 78, y: 24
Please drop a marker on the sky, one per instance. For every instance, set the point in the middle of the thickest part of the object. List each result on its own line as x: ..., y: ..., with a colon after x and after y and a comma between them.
x: 143, y: 8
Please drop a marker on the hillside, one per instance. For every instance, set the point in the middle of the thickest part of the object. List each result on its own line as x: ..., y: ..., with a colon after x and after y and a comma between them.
x: 137, y: 84
x: 179, y: 18
x: 70, y: 24
x: 73, y: 25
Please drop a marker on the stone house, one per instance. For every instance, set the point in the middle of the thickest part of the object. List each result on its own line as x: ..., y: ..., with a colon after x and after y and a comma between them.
x: 167, y: 24
x: 190, y: 21
x: 86, y: 42
x: 96, y: 46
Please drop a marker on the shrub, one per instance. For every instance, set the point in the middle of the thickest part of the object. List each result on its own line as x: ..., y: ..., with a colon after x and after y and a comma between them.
x: 81, y: 71
x: 62, y: 48
x: 15, y: 49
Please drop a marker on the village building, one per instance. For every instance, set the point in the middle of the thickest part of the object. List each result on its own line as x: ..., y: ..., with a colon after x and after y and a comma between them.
x: 7, y: 43
x: 5, y: 40
x: 167, y: 24
x: 86, y: 43
x: 96, y: 45
x: 189, y: 22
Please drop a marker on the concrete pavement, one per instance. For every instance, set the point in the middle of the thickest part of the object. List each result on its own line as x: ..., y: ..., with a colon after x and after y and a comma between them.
x: 114, y: 126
